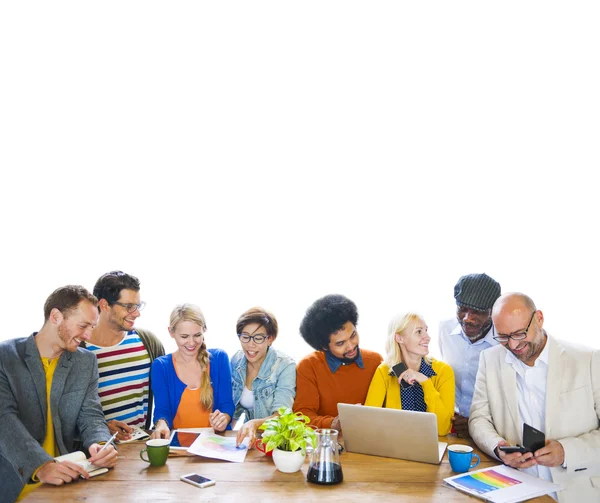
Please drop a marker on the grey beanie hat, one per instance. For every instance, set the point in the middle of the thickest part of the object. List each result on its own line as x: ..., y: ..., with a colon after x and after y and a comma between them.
x: 477, y: 291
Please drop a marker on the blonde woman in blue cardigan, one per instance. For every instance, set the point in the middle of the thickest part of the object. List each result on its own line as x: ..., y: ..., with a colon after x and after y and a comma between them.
x: 429, y: 383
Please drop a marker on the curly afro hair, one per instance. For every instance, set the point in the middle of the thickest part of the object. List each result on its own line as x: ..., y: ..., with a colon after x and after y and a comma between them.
x: 326, y: 316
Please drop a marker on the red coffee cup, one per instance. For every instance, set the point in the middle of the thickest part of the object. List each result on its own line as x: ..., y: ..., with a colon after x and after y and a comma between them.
x: 261, y: 446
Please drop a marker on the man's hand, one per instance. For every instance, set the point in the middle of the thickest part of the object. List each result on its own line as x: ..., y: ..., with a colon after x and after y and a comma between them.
x: 122, y: 429
x: 552, y: 454
x: 161, y: 430
x: 248, y: 429
x: 61, y: 473
x: 461, y: 425
x: 516, y: 459
x: 219, y: 420
x: 107, y: 458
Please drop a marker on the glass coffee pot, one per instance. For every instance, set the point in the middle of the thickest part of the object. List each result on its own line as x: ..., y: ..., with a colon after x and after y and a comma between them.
x: 324, y: 466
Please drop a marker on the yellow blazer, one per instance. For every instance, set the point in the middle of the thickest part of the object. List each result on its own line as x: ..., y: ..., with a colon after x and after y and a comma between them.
x: 438, y: 391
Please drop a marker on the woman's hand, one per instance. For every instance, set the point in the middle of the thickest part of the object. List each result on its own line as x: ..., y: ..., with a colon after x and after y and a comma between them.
x: 219, y: 420
x: 412, y: 376
x: 248, y: 430
x: 161, y: 430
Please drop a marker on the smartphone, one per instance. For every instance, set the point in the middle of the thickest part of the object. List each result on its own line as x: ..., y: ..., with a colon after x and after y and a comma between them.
x: 197, y: 480
x: 509, y: 449
x: 397, y: 371
x: 533, y: 439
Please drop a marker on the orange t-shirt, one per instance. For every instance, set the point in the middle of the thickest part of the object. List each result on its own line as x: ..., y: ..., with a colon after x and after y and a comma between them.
x: 190, y: 412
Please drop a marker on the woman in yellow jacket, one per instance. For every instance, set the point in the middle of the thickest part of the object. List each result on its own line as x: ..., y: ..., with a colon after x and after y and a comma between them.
x: 429, y: 383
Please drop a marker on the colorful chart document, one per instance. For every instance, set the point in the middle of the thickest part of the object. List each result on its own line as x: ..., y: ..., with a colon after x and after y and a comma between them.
x: 214, y: 446
x: 486, y: 481
x: 502, y: 484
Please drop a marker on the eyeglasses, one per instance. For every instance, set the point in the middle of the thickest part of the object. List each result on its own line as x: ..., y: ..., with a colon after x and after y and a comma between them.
x: 258, y: 339
x: 131, y: 308
x: 519, y: 336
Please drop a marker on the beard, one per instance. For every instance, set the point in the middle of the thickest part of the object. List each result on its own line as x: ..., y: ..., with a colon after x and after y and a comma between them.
x: 350, y: 360
x: 534, y: 348
x: 66, y: 336
x: 120, y: 324
x: 483, y: 329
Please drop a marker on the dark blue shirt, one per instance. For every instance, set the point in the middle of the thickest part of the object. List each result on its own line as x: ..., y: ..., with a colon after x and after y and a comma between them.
x: 335, y: 363
x: 412, y: 397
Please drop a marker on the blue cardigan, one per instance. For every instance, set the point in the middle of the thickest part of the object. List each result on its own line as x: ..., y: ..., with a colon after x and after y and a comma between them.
x: 167, y: 388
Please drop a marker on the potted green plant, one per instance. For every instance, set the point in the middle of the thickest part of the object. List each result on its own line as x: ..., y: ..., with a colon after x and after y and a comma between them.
x: 287, y: 435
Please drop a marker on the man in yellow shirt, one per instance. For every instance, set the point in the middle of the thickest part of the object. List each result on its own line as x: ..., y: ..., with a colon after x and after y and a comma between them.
x: 49, y: 397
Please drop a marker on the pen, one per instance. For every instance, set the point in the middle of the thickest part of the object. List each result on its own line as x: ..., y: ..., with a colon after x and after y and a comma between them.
x: 111, y: 441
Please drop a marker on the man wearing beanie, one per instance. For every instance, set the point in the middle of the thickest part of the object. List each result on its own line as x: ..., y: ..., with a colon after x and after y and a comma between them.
x: 463, y: 338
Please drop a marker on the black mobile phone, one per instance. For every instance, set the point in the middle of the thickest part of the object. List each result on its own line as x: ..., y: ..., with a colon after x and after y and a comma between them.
x: 397, y: 371
x: 533, y: 439
x: 509, y: 449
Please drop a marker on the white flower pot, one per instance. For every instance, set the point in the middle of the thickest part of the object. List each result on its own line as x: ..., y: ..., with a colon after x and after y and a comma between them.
x: 288, y: 462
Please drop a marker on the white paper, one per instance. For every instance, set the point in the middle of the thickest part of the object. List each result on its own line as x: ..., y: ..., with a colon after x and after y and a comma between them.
x: 512, y: 485
x: 137, y: 434
x: 214, y: 446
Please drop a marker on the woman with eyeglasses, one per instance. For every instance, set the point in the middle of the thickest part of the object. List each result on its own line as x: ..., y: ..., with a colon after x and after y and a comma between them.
x: 192, y: 386
x: 422, y: 383
x: 264, y: 379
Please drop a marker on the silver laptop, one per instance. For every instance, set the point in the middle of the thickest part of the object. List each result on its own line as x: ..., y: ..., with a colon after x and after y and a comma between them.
x: 391, y: 433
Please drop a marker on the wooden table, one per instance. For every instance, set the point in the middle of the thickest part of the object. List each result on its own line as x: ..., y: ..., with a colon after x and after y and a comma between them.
x: 367, y: 479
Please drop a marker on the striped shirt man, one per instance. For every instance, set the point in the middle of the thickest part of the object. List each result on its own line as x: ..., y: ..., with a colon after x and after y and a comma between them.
x: 124, y: 379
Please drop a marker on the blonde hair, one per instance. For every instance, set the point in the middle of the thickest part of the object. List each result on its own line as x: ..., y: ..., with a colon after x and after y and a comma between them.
x: 399, y: 323
x: 190, y: 312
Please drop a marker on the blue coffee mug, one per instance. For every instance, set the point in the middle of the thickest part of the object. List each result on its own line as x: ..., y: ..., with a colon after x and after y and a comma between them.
x: 460, y: 457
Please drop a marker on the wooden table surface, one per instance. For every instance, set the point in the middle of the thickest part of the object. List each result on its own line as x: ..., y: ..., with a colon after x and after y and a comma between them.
x: 367, y: 479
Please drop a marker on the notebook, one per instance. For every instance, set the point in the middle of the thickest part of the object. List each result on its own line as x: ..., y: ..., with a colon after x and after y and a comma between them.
x: 391, y: 433
x: 79, y: 458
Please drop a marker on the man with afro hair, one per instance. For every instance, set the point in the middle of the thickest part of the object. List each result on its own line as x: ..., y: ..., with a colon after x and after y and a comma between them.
x: 338, y: 371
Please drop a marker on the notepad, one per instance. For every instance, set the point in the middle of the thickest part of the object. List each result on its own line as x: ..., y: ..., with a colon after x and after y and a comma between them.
x: 138, y: 434
x: 79, y: 458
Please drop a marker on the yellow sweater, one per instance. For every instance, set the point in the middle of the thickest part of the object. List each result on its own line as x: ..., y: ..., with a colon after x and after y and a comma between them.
x: 437, y: 390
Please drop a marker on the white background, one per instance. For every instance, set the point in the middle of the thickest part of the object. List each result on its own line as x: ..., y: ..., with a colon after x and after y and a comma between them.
x: 267, y: 153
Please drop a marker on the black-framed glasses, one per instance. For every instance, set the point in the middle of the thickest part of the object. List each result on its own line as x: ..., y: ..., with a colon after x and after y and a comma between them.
x: 519, y: 336
x: 258, y: 339
x: 131, y: 308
